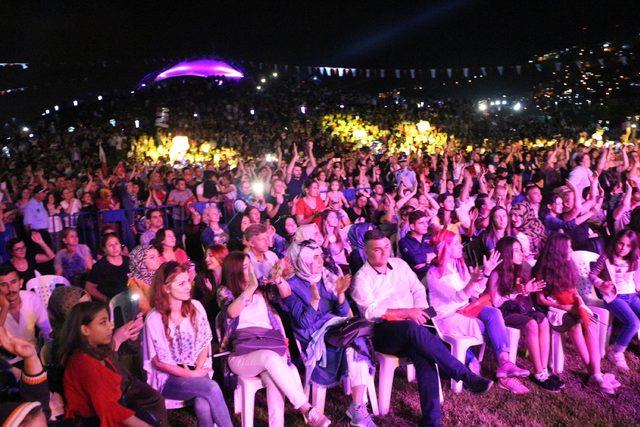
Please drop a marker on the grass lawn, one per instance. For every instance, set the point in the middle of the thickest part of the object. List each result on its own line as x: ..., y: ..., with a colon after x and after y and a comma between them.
x: 576, y: 405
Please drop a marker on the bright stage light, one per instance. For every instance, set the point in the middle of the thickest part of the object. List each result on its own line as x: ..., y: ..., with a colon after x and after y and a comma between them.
x: 517, y: 106
x: 56, y: 107
x: 263, y: 80
x: 75, y: 103
x: 179, y: 147
x: 258, y: 87
x: 482, y: 106
x: 359, y: 134
x: 47, y: 111
x: 137, y: 123
x: 423, y: 126
x: 99, y: 97
x: 252, y: 112
x: 303, y: 109
x: 258, y: 188
x: 274, y: 74
x: 25, y: 129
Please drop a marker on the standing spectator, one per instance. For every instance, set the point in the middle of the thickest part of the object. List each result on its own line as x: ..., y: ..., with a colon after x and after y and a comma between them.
x: 155, y: 221
x: 179, y: 197
x: 70, y: 208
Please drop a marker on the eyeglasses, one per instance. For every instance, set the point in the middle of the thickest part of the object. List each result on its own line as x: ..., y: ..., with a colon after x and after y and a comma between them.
x: 19, y: 248
x: 309, y: 243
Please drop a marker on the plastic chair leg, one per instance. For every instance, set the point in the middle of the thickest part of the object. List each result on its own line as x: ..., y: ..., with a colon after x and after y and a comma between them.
x: 318, y: 397
x: 459, y: 351
x: 372, y: 395
x: 411, y: 373
x: 388, y: 366
x: 557, y: 353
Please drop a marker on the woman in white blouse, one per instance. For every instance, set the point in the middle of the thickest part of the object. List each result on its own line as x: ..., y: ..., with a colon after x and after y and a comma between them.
x: 452, y: 285
x: 177, y: 339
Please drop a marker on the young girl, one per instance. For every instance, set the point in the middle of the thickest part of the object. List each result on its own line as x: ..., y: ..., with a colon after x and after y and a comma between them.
x: 95, y: 386
x: 177, y: 347
x: 616, y: 275
x: 561, y: 276
x: 74, y: 260
x: 510, y: 286
x: 335, y: 197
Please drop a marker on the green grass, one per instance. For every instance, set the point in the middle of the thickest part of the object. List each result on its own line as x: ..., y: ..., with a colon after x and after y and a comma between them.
x: 576, y: 405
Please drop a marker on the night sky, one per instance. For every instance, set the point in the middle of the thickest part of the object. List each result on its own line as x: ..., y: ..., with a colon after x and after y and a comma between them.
x: 363, y: 33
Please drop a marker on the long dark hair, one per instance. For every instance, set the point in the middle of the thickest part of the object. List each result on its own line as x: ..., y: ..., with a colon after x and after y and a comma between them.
x: 157, y: 241
x: 634, y: 253
x: 70, y: 337
x: 233, y: 272
x: 554, y: 265
x: 489, y: 238
x: 508, y: 272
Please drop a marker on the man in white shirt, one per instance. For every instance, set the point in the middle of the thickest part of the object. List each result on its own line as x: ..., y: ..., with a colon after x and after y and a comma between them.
x: 387, y: 289
x: 257, y: 240
x: 21, y: 312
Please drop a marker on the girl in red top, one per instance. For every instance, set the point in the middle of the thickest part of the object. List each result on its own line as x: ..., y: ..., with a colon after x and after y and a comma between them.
x: 308, y: 208
x: 95, y: 386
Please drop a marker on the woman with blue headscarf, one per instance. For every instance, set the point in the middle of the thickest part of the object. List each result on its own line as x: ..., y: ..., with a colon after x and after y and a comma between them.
x: 355, y: 236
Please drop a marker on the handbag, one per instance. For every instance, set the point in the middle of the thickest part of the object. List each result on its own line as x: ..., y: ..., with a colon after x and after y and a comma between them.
x: 343, y: 334
x: 474, y: 308
x: 247, y: 340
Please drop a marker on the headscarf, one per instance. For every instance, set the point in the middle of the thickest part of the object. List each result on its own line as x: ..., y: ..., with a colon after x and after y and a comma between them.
x: 137, y: 267
x: 356, y: 237
x: 301, y: 259
x: 306, y: 232
x: 62, y: 300
x: 531, y: 226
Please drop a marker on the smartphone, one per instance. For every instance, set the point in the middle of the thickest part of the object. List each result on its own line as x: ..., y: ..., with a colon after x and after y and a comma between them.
x: 135, y: 305
x: 431, y: 312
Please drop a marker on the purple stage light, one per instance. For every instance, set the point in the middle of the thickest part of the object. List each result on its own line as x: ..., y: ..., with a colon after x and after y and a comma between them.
x: 200, y: 68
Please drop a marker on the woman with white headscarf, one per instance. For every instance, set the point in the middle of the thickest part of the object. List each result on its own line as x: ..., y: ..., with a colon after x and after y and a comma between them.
x: 317, y: 297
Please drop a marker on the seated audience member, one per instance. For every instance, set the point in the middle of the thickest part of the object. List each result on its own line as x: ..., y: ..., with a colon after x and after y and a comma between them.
x: 25, y: 262
x: 208, y: 281
x: 251, y: 316
x: 108, y: 277
x: 556, y: 267
x: 177, y: 347
x: 356, y: 234
x: 165, y: 244
x: 616, y: 275
x: 317, y: 299
x: 144, y: 261
x: 387, y: 289
x: 155, y: 222
x: 335, y: 239
x: 527, y: 228
x: 30, y: 406
x: 286, y: 228
x: 308, y: 208
x: 510, y: 286
x: 214, y: 234
x: 415, y: 248
x: 451, y: 286
x: 74, y: 261
x: 95, y: 385
x: 362, y: 209
x: 22, y: 313
x: 257, y: 240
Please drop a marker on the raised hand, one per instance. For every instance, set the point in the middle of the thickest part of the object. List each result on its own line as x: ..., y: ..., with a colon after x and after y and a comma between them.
x: 491, y: 263
x: 36, y: 237
x: 16, y: 346
x: 534, y: 285
x: 343, y: 284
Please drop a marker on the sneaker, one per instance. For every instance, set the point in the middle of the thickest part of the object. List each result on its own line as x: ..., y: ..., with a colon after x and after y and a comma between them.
x: 509, y: 369
x: 599, y: 382
x: 618, y: 359
x: 611, y: 379
x: 359, y: 416
x: 552, y: 383
x: 478, y: 384
x: 315, y: 418
x: 514, y: 385
x: 556, y: 380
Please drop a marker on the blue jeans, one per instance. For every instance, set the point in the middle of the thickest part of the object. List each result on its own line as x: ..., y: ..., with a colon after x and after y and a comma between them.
x: 408, y: 339
x: 626, y: 308
x: 209, y: 402
x: 493, y: 327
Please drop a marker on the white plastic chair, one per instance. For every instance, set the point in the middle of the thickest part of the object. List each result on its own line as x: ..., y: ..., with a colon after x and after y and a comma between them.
x: 388, y: 364
x: 460, y: 345
x: 245, y: 393
x: 583, y: 260
x: 319, y: 392
x: 43, y: 286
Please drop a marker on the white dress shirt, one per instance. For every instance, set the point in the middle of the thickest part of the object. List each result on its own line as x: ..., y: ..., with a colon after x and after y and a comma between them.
x: 399, y: 287
x: 32, y: 314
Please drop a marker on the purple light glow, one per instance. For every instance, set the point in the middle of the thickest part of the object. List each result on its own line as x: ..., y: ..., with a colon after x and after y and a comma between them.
x: 200, y: 68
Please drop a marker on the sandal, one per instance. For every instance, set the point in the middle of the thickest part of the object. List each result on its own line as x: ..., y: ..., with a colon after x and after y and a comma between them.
x: 611, y: 380
x: 513, y: 385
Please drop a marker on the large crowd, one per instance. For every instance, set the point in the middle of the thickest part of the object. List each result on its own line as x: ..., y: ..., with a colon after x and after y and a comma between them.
x: 303, y: 268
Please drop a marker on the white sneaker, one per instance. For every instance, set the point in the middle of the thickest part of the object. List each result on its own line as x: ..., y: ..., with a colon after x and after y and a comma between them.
x: 316, y: 419
x: 618, y: 359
